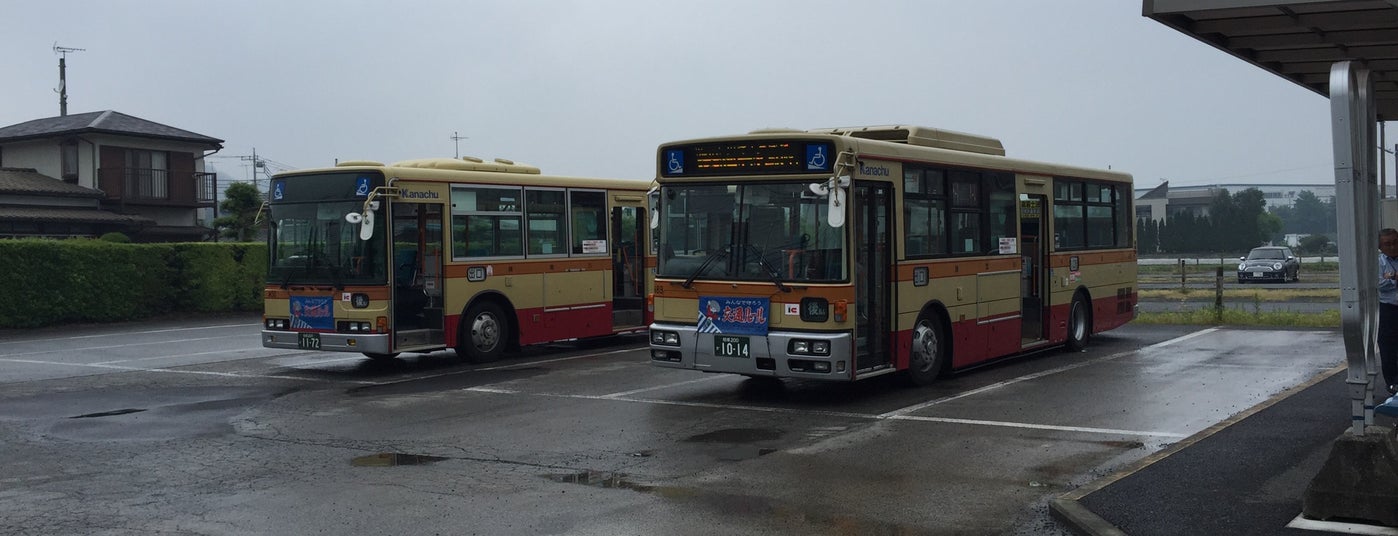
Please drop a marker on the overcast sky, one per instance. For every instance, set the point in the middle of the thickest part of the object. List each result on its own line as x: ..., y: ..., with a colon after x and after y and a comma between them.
x: 591, y: 87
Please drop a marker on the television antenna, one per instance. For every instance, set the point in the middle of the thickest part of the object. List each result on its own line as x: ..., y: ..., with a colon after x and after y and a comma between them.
x: 63, y: 75
x: 457, y: 137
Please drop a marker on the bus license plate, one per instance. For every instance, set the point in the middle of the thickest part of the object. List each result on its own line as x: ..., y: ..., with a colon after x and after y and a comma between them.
x: 730, y: 346
x: 308, y: 341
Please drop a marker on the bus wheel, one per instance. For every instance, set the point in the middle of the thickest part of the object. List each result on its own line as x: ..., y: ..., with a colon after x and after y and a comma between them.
x: 1079, y: 328
x: 928, y: 353
x: 483, y: 333
x: 380, y: 357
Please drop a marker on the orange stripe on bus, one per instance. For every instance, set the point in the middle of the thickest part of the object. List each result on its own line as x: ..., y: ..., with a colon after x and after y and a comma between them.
x: 277, y: 293
x: 952, y: 268
x: 515, y: 267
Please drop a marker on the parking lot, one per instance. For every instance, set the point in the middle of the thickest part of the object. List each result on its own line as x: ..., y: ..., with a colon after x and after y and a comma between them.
x: 192, y: 427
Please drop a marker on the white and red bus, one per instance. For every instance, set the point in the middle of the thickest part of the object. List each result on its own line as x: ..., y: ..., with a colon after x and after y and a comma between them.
x: 439, y: 253
x: 850, y: 253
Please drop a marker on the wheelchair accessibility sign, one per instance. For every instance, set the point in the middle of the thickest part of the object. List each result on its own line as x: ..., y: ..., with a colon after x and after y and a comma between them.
x: 361, y: 189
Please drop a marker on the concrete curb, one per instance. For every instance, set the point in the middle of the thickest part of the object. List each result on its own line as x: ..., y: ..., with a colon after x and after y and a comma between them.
x: 1068, y: 508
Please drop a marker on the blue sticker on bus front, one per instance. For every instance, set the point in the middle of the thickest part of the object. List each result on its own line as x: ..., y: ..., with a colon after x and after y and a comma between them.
x: 278, y: 190
x: 312, y: 312
x: 816, y: 159
x: 362, y: 188
x: 674, y: 161
x: 736, y: 316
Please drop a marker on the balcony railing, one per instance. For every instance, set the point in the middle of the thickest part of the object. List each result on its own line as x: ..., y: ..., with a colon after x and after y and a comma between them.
x: 205, y: 188
x: 142, y: 186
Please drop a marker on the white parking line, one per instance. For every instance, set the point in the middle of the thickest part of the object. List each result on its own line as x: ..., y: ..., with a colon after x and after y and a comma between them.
x: 844, y: 414
x: 1112, y: 431
x: 155, y: 357
x: 659, y: 387
x: 180, y: 371
x: 1301, y: 523
x: 90, y: 348
x: 555, y: 360
x: 1036, y: 375
x: 170, y: 330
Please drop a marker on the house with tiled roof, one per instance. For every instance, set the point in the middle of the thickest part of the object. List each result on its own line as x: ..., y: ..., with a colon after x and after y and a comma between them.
x: 32, y: 204
x: 149, y: 175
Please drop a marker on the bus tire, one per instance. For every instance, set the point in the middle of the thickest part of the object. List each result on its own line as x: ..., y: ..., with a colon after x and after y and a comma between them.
x: 380, y: 357
x: 484, y: 332
x: 1079, y: 323
x: 928, y: 352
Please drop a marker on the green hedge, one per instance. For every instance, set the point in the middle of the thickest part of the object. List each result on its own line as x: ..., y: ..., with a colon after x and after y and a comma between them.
x: 67, y: 281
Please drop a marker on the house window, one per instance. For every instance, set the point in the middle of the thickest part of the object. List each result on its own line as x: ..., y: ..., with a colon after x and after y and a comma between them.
x: 70, y: 161
x: 147, y: 174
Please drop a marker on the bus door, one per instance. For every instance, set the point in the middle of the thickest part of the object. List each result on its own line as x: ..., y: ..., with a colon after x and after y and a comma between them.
x: 628, y: 267
x: 1033, y: 251
x: 417, y: 275
x: 872, y: 264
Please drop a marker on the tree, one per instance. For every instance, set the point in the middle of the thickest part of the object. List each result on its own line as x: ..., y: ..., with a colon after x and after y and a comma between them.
x: 1316, y: 243
x: 241, y: 201
x: 1312, y: 215
x: 1254, y: 226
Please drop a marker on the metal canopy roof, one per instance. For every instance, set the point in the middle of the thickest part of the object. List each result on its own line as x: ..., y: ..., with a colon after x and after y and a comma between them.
x: 1297, y: 39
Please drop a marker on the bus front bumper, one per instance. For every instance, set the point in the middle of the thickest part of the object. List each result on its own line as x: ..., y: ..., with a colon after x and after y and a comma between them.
x: 768, y: 355
x: 376, y: 343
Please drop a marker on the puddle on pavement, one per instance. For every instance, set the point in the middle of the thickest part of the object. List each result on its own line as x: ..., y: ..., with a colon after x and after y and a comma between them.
x: 780, y: 511
x: 1122, y: 444
x: 736, y: 435
x: 389, y: 459
x: 600, y: 479
x: 111, y: 413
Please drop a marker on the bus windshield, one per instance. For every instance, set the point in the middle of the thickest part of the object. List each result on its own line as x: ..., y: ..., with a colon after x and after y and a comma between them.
x: 312, y: 243
x: 761, y: 231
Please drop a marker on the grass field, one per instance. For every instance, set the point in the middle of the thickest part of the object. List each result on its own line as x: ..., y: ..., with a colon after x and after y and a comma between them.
x: 1323, y: 272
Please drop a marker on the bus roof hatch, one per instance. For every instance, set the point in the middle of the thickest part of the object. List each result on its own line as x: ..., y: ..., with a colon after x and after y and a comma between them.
x: 923, y: 136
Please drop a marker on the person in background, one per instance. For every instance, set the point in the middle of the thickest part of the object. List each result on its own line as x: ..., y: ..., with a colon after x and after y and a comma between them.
x: 1388, y: 308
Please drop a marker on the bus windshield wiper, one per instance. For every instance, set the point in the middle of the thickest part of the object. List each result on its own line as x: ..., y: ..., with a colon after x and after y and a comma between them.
x: 713, y: 256
x: 772, y: 272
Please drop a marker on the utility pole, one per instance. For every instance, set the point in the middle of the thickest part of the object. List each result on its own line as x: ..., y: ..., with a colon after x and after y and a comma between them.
x: 63, y: 76
x: 457, y: 137
x: 256, y: 163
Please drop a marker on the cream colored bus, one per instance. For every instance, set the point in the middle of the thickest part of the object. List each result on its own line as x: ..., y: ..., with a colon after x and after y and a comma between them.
x: 428, y: 254
x: 850, y: 253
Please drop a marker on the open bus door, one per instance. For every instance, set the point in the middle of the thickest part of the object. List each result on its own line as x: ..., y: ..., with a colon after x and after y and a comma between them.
x: 1033, y: 272
x: 417, y: 276
x: 874, y: 307
x: 628, y: 267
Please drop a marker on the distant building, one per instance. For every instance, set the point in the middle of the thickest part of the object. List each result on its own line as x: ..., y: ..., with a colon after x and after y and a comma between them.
x: 151, y: 172
x: 1161, y: 201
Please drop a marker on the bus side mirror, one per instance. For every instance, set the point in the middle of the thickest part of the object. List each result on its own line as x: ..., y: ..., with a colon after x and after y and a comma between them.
x: 654, y: 196
x: 365, y: 221
x: 835, y: 188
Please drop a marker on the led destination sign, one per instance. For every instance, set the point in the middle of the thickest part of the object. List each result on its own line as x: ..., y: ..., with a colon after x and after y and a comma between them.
x: 747, y: 157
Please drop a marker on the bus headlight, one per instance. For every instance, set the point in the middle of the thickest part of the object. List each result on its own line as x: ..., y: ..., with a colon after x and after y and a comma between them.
x: 664, y: 338
x: 808, y: 347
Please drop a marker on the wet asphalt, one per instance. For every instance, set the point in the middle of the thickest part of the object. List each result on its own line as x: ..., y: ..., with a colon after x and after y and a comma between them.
x: 191, y: 427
